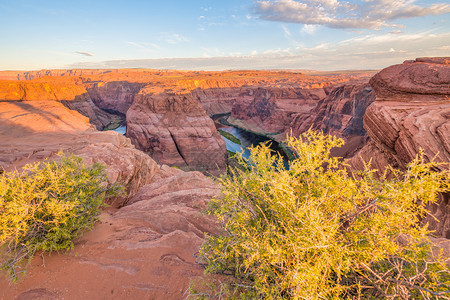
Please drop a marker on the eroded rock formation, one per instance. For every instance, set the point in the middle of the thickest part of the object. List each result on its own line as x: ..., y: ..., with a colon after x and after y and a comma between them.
x: 270, y: 111
x: 36, y: 130
x: 339, y: 113
x: 411, y: 112
x: 174, y: 129
x: 144, y: 245
x: 116, y: 96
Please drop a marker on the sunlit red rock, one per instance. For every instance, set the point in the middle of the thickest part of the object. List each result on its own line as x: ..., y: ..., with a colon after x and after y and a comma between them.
x: 174, y: 129
x: 140, y: 248
x: 411, y: 113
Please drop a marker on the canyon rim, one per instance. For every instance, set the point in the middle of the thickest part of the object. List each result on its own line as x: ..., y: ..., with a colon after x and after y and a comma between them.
x: 144, y: 245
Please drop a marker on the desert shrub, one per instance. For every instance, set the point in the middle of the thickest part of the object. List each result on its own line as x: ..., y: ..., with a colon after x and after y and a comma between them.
x: 46, y: 206
x: 314, y: 231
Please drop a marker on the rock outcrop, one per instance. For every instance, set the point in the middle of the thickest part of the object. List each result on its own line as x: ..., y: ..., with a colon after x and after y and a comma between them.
x: 270, y: 111
x: 340, y: 113
x: 36, y: 130
x: 411, y: 112
x: 174, y: 129
x: 69, y: 91
x: 143, y: 246
x: 190, y: 140
x: 142, y: 251
x: 115, y: 96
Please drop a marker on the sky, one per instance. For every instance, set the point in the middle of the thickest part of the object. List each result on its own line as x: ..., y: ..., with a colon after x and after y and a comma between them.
x: 221, y: 34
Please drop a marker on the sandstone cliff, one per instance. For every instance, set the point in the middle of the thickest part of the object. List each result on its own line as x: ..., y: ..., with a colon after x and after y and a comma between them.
x: 174, y: 129
x: 411, y: 112
x: 265, y: 102
x: 269, y: 111
x: 69, y: 91
x: 276, y: 112
x: 115, y: 96
x: 144, y: 245
x: 339, y: 113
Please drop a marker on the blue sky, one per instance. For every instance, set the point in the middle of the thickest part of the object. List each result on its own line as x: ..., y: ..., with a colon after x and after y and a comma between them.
x: 217, y: 35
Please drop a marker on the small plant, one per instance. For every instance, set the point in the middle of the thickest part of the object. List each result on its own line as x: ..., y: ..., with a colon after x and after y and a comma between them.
x: 313, y: 231
x: 46, y: 206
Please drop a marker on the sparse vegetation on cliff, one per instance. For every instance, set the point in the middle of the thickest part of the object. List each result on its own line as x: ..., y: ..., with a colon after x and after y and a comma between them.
x: 315, y: 232
x: 46, y: 206
x: 229, y: 136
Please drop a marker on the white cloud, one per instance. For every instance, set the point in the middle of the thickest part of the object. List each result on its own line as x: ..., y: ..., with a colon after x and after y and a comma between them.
x: 369, y: 14
x: 370, y: 51
x: 84, y: 53
x: 309, y: 29
x: 443, y: 48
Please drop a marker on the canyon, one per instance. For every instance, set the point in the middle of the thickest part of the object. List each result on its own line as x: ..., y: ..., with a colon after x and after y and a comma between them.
x: 145, y: 243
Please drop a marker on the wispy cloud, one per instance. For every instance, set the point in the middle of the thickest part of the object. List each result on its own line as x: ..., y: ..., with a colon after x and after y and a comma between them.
x: 212, y: 52
x: 149, y: 47
x: 173, y: 38
x: 370, y: 51
x: 369, y: 14
x: 286, y: 31
x: 84, y: 53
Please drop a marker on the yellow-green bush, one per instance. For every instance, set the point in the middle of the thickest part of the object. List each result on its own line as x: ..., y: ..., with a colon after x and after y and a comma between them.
x: 46, y: 206
x: 314, y: 231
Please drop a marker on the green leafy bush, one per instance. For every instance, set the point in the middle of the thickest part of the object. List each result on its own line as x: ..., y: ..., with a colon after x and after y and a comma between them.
x: 314, y: 231
x: 46, y: 206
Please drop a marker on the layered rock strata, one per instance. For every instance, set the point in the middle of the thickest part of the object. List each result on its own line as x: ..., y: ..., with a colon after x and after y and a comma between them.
x: 411, y: 113
x: 189, y: 140
x: 144, y: 245
x: 340, y: 113
x: 270, y: 111
x: 277, y: 113
x: 174, y: 129
x: 115, y: 96
x: 36, y: 130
